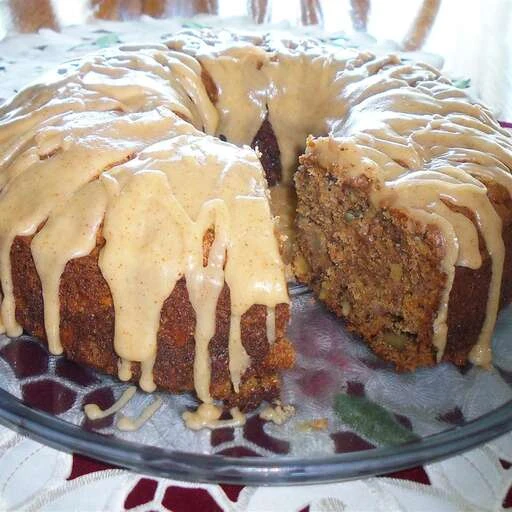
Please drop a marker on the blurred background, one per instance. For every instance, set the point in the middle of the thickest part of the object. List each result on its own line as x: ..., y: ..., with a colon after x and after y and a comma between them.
x: 473, y: 36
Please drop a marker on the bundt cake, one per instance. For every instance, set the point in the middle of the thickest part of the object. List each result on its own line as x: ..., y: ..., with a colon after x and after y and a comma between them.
x: 135, y: 242
x: 136, y: 232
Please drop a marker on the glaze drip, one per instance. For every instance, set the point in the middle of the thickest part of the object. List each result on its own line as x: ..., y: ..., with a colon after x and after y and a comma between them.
x: 93, y: 412
x: 153, y: 196
x: 208, y: 416
x: 129, y: 424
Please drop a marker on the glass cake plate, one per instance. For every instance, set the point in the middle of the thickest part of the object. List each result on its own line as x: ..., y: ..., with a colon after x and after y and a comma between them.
x: 355, y: 415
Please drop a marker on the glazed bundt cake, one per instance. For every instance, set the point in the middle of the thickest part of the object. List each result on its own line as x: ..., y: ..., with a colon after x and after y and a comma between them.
x: 136, y: 231
x: 135, y: 242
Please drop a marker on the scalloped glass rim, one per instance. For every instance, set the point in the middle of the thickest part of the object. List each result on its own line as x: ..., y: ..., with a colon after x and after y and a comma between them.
x: 62, y: 435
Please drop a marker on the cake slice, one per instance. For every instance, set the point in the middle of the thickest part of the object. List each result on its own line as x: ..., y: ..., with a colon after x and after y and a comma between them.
x: 404, y: 218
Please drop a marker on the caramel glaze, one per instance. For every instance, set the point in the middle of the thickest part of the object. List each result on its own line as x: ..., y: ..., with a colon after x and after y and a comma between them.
x: 128, y: 141
x: 155, y: 185
x: 427, y: 148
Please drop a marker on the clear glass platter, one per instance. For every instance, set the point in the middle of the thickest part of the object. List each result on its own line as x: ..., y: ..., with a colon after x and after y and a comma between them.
x: 355, y: 416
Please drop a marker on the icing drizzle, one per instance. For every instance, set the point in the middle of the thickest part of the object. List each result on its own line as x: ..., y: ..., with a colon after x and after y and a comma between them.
x: 103, y: 150
x: 93, y: 411
x: 123, y: 146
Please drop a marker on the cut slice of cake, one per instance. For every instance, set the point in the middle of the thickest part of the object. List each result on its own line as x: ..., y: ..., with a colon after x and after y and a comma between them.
x: 404, y: 219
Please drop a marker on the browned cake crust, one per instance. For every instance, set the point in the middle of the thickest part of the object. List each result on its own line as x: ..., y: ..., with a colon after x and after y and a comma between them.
x: 87, y: 316
x: 264, y: 141
x: 87, y: 330
x: 381, y: 272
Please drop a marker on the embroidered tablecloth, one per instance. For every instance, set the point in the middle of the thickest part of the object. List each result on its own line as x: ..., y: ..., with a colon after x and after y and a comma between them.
x: 35, y: 477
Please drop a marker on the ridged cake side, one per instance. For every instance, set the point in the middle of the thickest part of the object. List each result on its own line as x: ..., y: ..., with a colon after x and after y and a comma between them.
x: 87, y: 330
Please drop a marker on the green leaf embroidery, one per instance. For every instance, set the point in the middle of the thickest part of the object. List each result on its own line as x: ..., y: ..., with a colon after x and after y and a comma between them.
x: 371, y: 420
x: 107, y: 40
x: 462, y: 83
x: 339, y: 40
x: 193, y: 24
